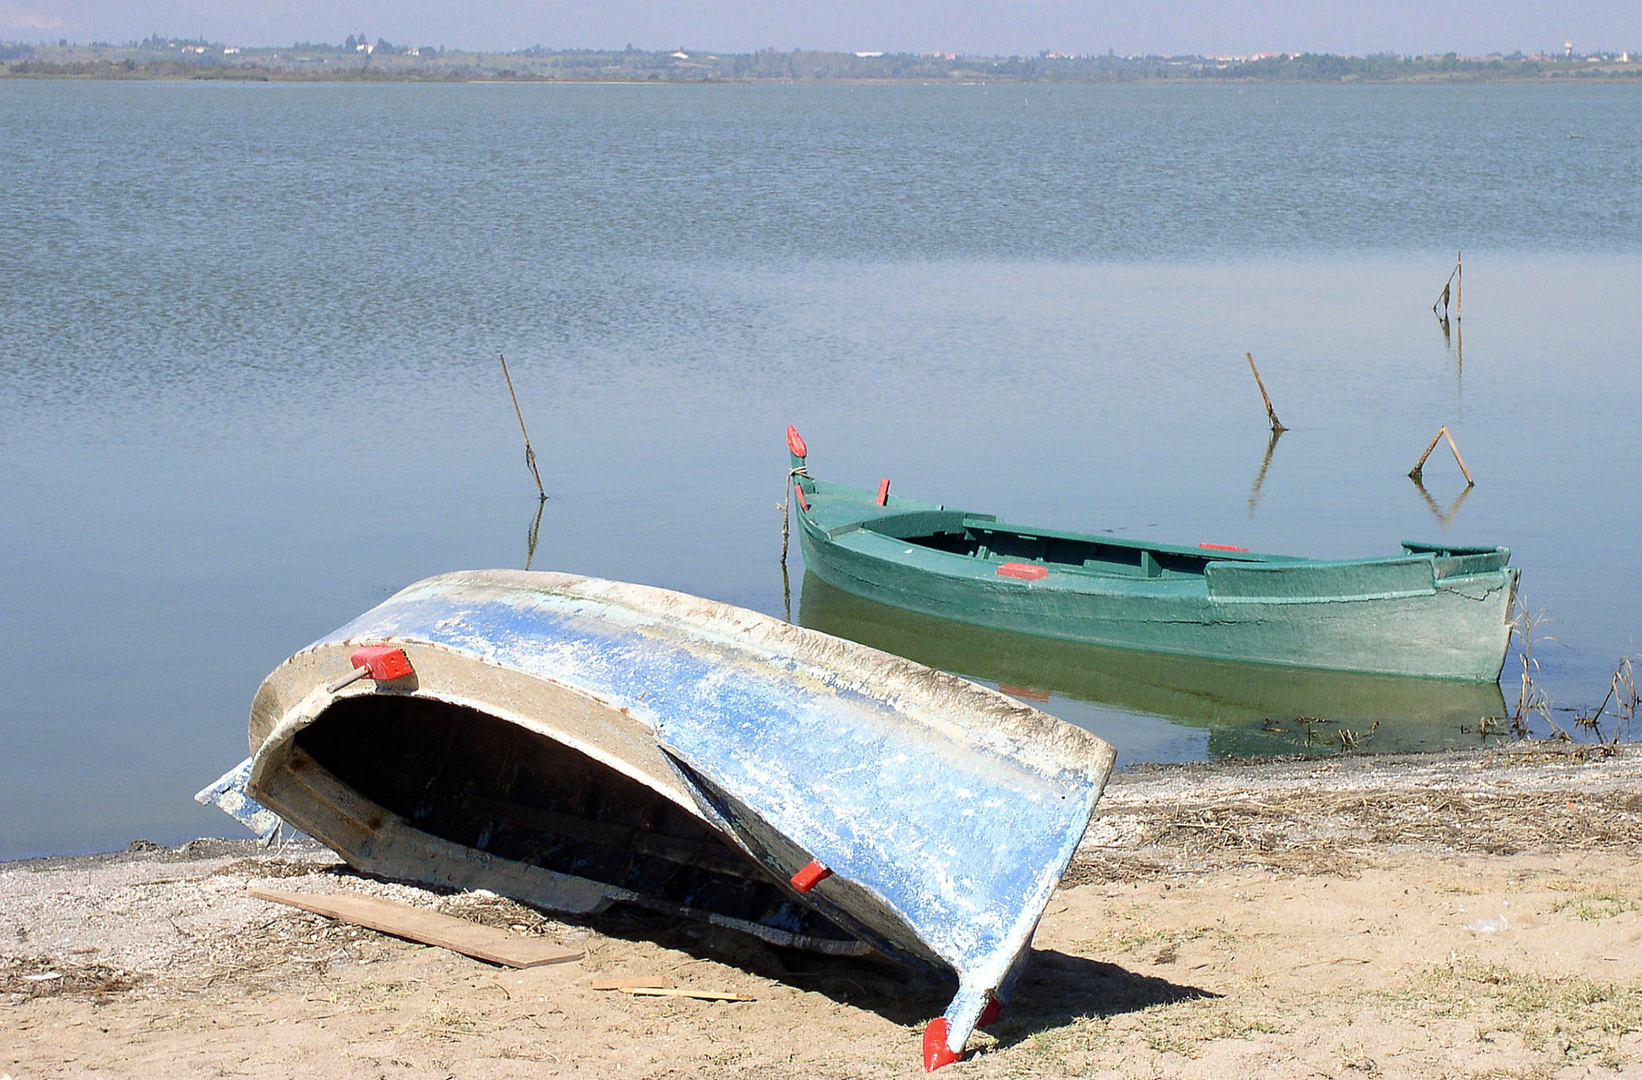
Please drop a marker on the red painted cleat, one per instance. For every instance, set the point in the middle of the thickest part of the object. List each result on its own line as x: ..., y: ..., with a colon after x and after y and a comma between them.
x: 883, y: 492
x: 811, y: 876
x: 990, y: 1014
x: 937, y: 1054
x: 805, y: 503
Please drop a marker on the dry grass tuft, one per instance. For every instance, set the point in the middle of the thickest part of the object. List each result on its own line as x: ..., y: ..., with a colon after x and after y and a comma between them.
x: 272, y: 868
x: 1579, y: 1016
x: 1531, y: 697
x: 25, y: 977
x: 444, y: 1019
x: 498, y: 911
x: 1593, y: 907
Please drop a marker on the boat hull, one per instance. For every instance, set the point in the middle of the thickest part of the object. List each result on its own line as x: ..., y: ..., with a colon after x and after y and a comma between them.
x: 1397, y: 616
x: 576, y: 743
x: 1249, y: 710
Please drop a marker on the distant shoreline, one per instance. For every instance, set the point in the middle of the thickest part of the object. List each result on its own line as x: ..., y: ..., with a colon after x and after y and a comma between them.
x: 175, y: 60
x: 75, y: 73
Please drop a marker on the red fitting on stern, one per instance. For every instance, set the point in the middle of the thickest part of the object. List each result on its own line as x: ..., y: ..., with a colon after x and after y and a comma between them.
x: 937, y: 1054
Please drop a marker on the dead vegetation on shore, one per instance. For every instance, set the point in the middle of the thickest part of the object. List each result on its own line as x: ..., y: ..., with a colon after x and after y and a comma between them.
x: 1311, y: 832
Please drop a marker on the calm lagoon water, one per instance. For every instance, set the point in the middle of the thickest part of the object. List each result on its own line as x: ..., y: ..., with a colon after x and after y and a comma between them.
x: 248, y: 377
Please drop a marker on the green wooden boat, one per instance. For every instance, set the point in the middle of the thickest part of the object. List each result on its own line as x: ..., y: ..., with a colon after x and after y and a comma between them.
x: 1434, y: 611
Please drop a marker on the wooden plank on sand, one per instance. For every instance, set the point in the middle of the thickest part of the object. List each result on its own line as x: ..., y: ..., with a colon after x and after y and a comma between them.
x: 686, y: 992
x: 630, y: 982
x: 427, y: 927
x: 652, y: 986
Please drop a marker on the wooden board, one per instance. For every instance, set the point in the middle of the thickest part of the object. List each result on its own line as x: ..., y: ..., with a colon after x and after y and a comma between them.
x: 427, y: 927
x: 631, y: 982
x: 656, y: 986
x: 700, y: 995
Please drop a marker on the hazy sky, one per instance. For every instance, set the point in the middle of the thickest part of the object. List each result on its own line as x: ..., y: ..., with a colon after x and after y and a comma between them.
x: 965, y: 26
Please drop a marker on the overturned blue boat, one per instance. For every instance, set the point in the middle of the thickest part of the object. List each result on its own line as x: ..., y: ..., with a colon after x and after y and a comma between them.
x: 576, y: 743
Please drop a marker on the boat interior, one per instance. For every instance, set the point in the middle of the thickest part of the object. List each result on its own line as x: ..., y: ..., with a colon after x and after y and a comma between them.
x: 473, y: 779
x: 985, y: 538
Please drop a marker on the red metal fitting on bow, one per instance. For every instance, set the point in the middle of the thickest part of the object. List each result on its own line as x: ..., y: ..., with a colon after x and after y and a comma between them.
x: 384, y: 663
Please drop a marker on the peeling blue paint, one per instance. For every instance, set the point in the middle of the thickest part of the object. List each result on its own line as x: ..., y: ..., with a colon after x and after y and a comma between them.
x: 957, y: 809
x: 228, y: 795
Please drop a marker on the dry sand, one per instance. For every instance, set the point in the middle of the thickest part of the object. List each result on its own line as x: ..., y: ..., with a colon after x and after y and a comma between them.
x: 1475, y: 915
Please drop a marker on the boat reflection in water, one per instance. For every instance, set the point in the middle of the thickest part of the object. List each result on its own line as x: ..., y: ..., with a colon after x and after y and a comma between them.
x: 1246, y: 709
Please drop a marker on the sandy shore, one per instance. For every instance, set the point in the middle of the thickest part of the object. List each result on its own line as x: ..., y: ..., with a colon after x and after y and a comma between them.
x: 1472, y: 915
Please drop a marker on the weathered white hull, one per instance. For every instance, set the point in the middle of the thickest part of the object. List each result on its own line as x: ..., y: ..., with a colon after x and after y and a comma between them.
x: 575, y: 742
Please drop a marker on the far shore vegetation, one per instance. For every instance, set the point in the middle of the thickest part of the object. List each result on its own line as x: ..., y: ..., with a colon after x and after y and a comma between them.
x: 359, y: 60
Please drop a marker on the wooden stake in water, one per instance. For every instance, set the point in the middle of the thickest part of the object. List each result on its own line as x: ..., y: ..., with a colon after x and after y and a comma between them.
x: 1459, y: 286
x: 1449, y: 290
x: 530, y: 455
x: 1271, y: 414
x: 1414, y: 474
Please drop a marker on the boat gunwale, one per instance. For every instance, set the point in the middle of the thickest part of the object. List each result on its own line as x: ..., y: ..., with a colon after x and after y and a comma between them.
x: 1096, y: 581
x: 942, y: 704
x: 1413, y: 551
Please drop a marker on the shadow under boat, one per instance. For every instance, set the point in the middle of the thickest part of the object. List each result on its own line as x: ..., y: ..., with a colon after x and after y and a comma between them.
x: 1248, y: 709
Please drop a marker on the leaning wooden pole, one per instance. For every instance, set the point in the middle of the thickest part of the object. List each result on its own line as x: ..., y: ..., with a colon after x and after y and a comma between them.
x: 1459, y: 290
x: 530, y: 455
x: 1415, y: 473
x: 1440, y: 307
x: 1271, y: 413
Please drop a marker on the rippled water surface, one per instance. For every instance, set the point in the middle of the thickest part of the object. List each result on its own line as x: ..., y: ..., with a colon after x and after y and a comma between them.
x: 248, y: 376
